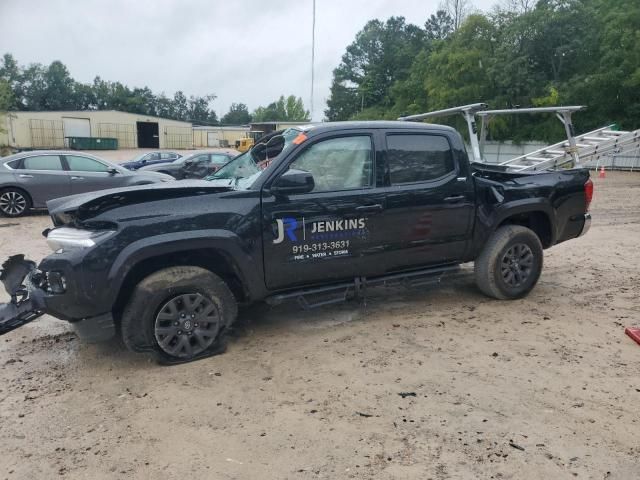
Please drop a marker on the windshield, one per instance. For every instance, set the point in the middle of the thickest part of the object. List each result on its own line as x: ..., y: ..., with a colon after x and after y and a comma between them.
x: 242, y: 166
x: 244, y: 169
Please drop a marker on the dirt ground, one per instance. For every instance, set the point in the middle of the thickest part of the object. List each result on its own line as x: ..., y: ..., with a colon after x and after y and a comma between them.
x: 434, y: 383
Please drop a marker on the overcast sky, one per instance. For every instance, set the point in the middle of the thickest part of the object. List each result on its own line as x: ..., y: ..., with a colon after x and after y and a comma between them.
x: 247, y: 51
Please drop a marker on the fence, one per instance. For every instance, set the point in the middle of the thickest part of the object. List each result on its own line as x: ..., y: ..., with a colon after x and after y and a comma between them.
x: 124, y: 132
x: 46, y: 133
x: 178, y: 137
x: 497, y: 152
x: 618, y: 161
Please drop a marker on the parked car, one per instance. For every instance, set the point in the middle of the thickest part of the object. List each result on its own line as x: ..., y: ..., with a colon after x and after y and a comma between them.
x: 151, y: 158
x: 344, y: 206
x: 29, y: 179
x: 197, y: 165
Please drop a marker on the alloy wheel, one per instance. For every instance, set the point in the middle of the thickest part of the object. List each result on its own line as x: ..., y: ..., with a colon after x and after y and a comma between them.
x: 517, y: 264
x: 12, y: 203
x: 187, y: 325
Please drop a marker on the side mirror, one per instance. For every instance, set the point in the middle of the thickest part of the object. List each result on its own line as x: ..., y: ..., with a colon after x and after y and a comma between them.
x: 112, y: 171
x: 292, y: 182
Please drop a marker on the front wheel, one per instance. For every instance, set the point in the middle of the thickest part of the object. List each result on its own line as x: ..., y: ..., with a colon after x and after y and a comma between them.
x: 510, y: 264
x: 178, y: 314
x: 14, y: 202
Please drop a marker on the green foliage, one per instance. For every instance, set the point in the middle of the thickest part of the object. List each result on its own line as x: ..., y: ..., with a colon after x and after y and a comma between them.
x: 238, y: 114
x: 458, y: 69
x: 39, y: 87
x: 556, y: 52
x: 381, y: 54
x: 6, y: 96
x: 290, y: 109
x: 438, y: 26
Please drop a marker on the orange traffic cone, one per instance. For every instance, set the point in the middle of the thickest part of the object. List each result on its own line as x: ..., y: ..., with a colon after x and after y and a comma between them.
x: 602, y: 173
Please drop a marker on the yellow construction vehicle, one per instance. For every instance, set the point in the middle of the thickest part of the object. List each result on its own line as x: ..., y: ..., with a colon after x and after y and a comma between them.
x: 244, y: 144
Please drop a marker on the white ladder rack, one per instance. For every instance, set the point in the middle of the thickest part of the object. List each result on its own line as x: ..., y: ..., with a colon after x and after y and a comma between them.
x: 576, y: 149
x: 588, y: 147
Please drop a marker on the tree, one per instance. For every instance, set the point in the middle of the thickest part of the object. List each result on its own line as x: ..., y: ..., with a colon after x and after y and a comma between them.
x: 7, y: 101
x: 439, y: 26
x: 33, y: 88
x: 295, y: 110
x: 381, y: 54
x: 518, y: 6
x: 238, y: 114
x: 457, y: 10
x: 59, y: 92
x: 198, y: 109
x: 180, y: 106
x: 37, y: 87
x: 10, y: 73
x: 290, y: 109
x: 343, y: 99
x: 458, y: 70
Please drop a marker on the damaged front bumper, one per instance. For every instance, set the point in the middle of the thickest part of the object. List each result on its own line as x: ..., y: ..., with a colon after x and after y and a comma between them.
x: 34, y: 292
x: 26, y: 303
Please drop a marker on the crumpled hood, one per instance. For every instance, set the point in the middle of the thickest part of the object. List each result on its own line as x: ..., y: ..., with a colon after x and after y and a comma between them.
x: 86, y: 205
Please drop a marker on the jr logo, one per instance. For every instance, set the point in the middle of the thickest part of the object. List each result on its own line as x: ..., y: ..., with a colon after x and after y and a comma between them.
x: 288, y: 225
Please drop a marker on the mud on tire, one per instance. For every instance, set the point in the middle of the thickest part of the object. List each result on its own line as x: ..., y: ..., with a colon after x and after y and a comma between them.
x: 510, y: 263
x: 178, y: 314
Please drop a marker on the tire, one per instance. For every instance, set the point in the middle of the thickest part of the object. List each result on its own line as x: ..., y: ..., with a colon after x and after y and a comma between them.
x: 14, y: 202
x: 179, y: 314
x: 510, y: 264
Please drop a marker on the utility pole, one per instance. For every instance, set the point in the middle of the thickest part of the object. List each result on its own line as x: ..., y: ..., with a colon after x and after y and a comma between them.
x: 313, y: 53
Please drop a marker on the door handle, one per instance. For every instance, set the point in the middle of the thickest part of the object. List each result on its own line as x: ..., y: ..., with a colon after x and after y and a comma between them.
x: 454, y: 199
x: 25, y: 175
x: 377, y: 208
x: 77, y: 178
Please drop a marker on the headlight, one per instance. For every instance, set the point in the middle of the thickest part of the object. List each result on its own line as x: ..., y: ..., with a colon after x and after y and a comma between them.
x: 65, y: 238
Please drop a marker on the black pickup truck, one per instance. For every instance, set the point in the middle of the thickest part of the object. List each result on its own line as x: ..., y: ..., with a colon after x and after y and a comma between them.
x: 338, y: 207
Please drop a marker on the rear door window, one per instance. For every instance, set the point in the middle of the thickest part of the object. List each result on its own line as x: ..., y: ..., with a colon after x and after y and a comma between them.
x: 42, y: 162
x: 14, y: 164
x: 418, y: 158
x: 85, y: 164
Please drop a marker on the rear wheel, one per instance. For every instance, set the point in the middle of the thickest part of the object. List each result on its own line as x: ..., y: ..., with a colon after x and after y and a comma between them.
x: 510, y: 264
x: 178, y: 314
x: 14, y: 202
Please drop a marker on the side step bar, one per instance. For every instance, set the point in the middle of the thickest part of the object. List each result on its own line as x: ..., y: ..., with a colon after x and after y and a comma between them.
x: 310, y: 298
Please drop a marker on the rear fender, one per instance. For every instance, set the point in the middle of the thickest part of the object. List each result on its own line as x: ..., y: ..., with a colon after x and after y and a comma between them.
x: 490, y: 216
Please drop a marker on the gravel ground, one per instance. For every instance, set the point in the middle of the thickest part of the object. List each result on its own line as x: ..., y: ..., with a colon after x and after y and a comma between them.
x: 437, y: 383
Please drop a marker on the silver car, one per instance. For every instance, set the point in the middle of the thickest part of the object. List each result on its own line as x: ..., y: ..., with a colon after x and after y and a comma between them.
x: 29, y: 179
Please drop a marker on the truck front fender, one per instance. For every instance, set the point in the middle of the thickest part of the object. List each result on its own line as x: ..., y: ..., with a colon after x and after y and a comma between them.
x: 243, y: 258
